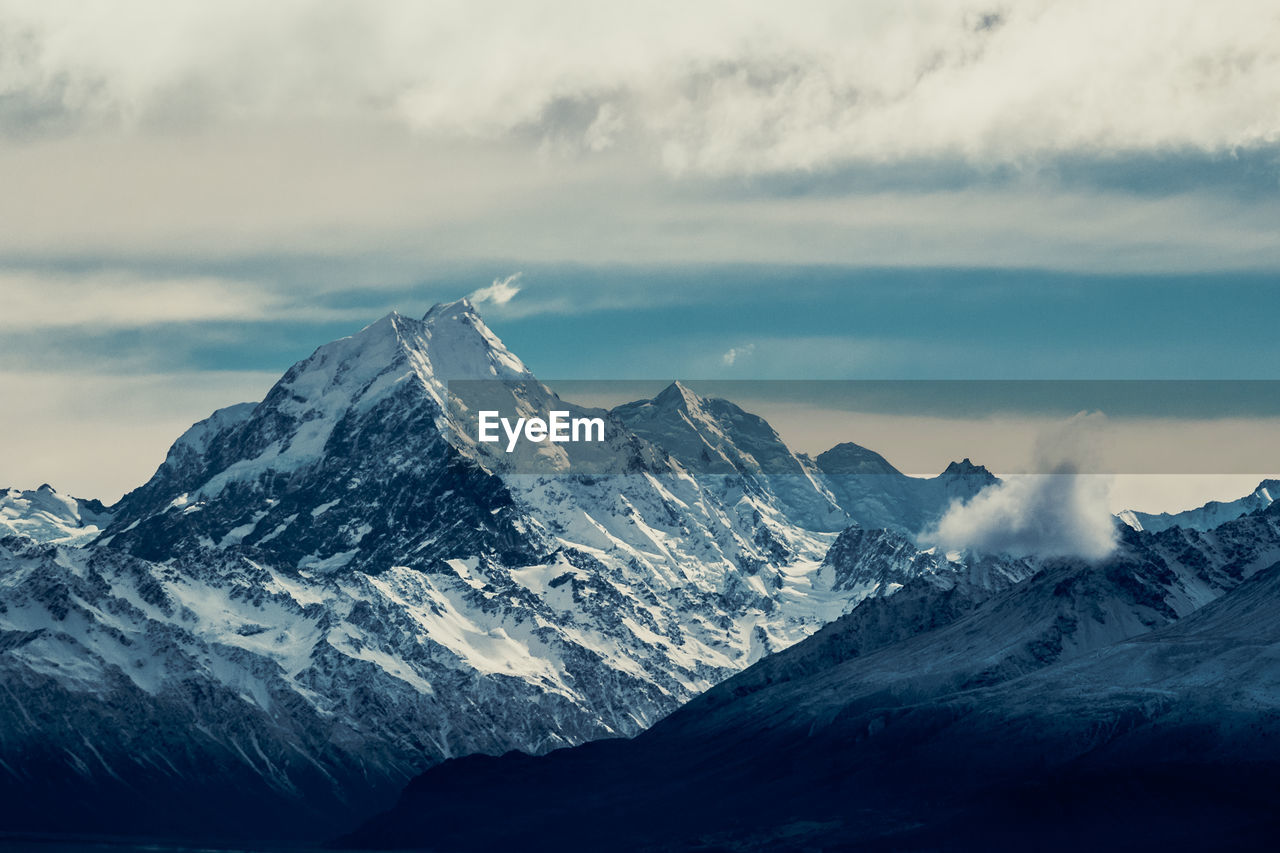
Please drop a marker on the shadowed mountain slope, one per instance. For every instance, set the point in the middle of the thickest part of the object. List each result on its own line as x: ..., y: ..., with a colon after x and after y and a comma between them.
x: 1133, y: 701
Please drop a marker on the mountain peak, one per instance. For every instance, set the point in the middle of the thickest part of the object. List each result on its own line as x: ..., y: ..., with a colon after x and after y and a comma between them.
x: 451, y: 341
x: 966, y: 468
x: 386, y: 327
x: 676, y: 395
x: 444, y: 310
x: 393, y: 369
x: 459, y: 345
x: 45, y: 515
x: 849, y: 458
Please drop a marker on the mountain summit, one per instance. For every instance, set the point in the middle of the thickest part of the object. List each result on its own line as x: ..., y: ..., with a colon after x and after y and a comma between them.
x: 1208, y: 516
x: 48, y: 516
x: 345, y: 460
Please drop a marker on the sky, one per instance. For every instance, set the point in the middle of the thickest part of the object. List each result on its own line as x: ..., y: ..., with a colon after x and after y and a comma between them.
x: 196, y: 195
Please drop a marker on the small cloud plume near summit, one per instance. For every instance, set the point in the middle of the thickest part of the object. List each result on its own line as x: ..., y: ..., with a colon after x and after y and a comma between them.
x: 1057, y: 512
x: 502, y: 291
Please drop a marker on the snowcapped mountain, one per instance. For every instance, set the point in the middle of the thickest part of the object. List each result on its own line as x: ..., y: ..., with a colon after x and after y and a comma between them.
x: 876, y: 494
x: 320, y: 594
x: 1205, y: 517
x: 872, y: 563
x: 846, y: 484
x: 944, y: 711
x: 715, y: 437
x: 46, y: 516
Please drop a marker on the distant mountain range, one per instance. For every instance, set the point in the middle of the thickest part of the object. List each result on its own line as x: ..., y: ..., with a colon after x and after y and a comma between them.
x: 1208, y: 516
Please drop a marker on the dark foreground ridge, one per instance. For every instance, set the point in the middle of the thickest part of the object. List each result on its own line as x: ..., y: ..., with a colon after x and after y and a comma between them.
x: 1090, y: 706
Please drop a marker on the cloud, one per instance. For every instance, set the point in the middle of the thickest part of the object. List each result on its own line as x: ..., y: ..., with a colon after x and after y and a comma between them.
x: 734, y: 353
x: 719, y: 88
x: 502, y: 291
x: 1060, y: 513
x: 872, y: 134
x: 1063, y: 514
x: 344, y: 193
x: 112, y: 299
x: 124, y: 300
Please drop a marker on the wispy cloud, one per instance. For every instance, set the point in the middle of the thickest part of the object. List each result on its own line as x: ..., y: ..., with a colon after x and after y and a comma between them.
x: 502, y: 291
x: 37, y: 299
x: 733, y: 354
x: 124, y: 299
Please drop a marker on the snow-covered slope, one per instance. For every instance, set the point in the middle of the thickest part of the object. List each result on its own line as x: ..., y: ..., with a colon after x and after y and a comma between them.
x: 46, y: 516
x: 714, y: 437
x: 943, y: 715
x: 846, y: 484
x: 317, y: 595
x: 871, y: 563
x: 1205, y: 517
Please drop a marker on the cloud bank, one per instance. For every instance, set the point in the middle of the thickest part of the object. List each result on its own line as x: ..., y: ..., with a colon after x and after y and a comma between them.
x: 1124, y: 135
x: 716, y: 88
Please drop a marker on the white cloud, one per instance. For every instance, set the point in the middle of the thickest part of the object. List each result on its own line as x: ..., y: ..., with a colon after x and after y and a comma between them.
x: 602, y: 133
x: 1048, y: 515
x: 574, y: 132
x: 734, y: 353
x: 718, y: 87
x: 365, y: 193
x: 502, y: 291
x: 1055, y: 514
